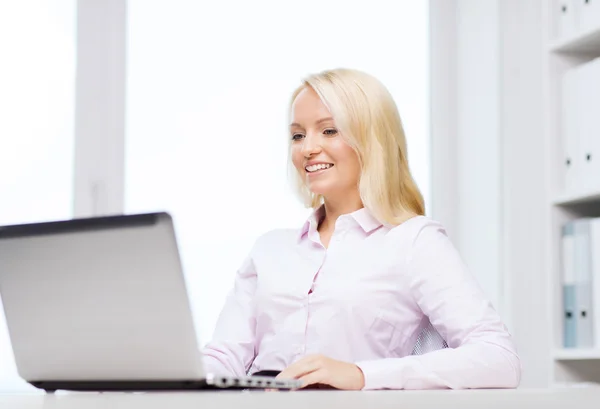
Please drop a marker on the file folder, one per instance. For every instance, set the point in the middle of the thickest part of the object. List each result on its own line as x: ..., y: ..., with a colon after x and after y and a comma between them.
x: 570, y: 122
x: 587, y: 124
x: 566, y: 13
x: 595, y: 253
x: 568, y: 287
x: 589, y: 111
x: 583, y: 284
x: 589, y: 15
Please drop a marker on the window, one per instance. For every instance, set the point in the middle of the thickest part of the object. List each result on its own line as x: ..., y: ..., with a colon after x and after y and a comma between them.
x: 37, y: 79
x: 207, y: 99
x: 208, y: 90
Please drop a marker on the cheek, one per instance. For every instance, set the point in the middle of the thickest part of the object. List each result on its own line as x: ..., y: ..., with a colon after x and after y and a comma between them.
x: 297, y: 158
x: 352, y: 171
x: 347, y: 158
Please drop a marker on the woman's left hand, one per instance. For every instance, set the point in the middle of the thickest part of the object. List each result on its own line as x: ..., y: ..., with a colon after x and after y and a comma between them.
x: 319, y: 369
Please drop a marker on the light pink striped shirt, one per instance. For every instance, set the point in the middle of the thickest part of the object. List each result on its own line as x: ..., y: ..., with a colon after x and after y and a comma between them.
x: 364, y: 299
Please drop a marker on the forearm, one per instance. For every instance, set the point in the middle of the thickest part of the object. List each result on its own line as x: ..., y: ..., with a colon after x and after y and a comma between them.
x: 231, y: 350
x: 218, y: 362
x: 473, y: 365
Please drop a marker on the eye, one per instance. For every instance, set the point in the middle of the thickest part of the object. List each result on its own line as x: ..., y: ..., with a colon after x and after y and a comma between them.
x: 330, y: 132
x: 297, y: 136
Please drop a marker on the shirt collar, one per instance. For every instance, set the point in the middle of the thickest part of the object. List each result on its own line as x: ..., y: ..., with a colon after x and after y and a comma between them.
x: 312, y: 222
x: 362, y: 217
x: 366, y: 220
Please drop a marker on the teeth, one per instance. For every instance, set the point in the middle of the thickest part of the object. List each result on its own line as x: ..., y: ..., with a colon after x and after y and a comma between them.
x: 314, y: 168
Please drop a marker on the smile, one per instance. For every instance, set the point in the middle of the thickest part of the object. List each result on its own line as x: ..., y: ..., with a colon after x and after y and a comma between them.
x: 318, y: 167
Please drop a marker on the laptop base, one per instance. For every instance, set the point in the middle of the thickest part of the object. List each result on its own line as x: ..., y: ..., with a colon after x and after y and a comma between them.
x: 217, y: 383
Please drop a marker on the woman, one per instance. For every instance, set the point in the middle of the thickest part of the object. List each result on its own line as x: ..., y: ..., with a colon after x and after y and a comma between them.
x: 341, y: 301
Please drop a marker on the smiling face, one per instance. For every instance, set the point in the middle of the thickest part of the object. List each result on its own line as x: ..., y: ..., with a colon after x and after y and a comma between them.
x: 327, y: 164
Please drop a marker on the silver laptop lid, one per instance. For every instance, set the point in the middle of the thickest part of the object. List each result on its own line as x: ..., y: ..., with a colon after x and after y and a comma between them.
x: 98, y: 299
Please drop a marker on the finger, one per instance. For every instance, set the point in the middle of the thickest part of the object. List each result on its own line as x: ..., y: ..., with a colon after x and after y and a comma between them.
x: 300, y: 368
x: 312, y: 378
x: 296, y: 371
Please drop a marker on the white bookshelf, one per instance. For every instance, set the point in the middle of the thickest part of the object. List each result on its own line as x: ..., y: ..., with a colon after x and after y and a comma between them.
x: 579, y: 354
x: 570, y: 199
x: 587, y: 41
x: 569, y: 366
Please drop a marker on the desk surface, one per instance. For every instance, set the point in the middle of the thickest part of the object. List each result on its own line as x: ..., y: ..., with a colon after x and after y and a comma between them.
x: 577, y: 398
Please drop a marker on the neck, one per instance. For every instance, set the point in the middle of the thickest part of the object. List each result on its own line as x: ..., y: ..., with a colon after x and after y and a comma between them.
x: 334, y: 208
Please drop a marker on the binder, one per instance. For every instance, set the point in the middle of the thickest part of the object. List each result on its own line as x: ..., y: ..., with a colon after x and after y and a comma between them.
x: 589, y: 126
x: 594, y: 110
x: 567, y: 24
x: 589, y: 15
x: 583, y: 284
x: 568, y: 286
x: 595, y: 253
x: 570, y: 125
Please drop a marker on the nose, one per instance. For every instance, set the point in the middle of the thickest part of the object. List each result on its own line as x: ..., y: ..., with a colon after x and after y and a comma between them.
x: 311, y: 146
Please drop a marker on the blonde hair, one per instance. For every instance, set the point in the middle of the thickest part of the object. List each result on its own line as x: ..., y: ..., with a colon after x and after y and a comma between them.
x: 367, y: 117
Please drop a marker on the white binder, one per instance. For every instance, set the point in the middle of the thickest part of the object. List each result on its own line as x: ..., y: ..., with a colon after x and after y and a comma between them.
x: 583, y: 285
x: 589, y: 111
x: 566, y: 16
x: 589, y: 15
x: 595, y: 253
x: 568, y: 281
x: 570, y: 121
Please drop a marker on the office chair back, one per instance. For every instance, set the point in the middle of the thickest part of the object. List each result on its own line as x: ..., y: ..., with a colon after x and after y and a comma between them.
x: 429, y: 340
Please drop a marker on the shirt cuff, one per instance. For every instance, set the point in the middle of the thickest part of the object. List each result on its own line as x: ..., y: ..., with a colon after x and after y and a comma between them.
x: 377, y: 374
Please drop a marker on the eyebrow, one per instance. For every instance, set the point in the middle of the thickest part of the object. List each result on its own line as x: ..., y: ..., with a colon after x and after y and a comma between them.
x: 294, y: 124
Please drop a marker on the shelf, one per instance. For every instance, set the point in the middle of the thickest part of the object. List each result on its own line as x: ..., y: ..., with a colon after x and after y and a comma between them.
x: 577, y: 198
x: 577, y: 354
x: 587, y: 42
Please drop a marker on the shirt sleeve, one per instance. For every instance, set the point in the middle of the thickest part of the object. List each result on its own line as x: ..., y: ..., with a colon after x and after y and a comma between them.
x: 480, y: 353
x: 232, y: 347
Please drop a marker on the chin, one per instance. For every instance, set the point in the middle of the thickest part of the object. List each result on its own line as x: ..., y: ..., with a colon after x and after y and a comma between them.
x: 319, y: 189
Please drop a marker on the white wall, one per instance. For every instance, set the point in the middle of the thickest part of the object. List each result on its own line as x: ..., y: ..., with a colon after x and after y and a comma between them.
x: 478, y: 143
x: 524, y: 208
x: 443, y: 110
x: 100, y: 108
x: 465, y: 133
x: 494, y: 183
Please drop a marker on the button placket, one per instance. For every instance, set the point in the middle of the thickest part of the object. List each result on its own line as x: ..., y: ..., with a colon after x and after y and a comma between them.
x: 301, y: 349
x: 341, y: 234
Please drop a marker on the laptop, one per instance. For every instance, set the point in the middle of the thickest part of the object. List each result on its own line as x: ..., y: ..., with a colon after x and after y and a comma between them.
x: 100, y: 304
